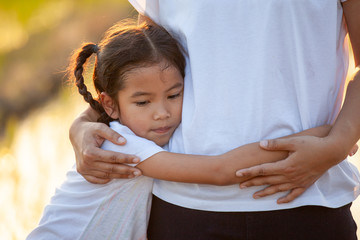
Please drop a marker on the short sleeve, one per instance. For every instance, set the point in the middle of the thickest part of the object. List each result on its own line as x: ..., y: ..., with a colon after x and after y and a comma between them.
x: 149, y: 8
x: 135, y: 145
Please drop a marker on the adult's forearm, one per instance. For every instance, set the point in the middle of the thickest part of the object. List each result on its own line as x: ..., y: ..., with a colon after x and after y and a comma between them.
x: 89, y: 115
x: 346, y: 129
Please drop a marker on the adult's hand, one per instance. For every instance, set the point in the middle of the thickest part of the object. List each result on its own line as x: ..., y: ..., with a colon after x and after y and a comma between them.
x: 309, y: 158
x: 93, y: 163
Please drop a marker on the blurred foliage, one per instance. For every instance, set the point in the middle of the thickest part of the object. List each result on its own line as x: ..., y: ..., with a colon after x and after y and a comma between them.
x: 37, y: 105
x: 36, y: 39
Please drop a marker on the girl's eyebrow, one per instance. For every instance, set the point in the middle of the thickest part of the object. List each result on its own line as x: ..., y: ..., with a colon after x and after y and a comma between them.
x: 176, y: 85
x: 139, y: 93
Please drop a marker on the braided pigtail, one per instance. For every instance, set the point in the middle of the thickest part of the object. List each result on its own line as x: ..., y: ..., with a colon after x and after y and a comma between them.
x: 81, y: 58
x: 125, y: 47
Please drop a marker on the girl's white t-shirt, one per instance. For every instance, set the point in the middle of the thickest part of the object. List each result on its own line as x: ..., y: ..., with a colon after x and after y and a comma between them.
x: 255, y: 70
x: 119, y: 209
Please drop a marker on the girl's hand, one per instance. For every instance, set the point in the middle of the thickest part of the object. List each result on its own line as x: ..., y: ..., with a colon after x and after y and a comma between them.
x: 309, y: 158
x: 93, y: 163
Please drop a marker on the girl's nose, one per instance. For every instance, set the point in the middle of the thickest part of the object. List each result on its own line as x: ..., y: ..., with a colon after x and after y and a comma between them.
x: 161, y: 113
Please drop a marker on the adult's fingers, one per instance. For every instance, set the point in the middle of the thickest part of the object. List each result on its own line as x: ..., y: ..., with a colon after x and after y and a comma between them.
x: 95, y: 180
x: 100, y: 180
x: 270, y: 190
x: 105, y: 132
x: 95, y: 175
x: 291, y: 196
x: 108, y: 156
x: 354, y: 150
x: 111, y: 170
x: 264, y: 180
x: 286, y: 144
x: 261, y: 170
x: 105, y: 164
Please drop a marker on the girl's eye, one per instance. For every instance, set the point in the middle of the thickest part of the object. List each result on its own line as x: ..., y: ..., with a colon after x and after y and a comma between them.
x: 174, y: 96
x: 142, y: 103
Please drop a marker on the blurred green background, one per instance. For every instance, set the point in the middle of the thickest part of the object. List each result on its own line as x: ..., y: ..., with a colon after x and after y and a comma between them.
x: 36, y: 38
x: 37, y: 104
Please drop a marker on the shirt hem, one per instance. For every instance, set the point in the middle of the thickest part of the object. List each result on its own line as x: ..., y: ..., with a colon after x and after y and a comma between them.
x: 271, y: 205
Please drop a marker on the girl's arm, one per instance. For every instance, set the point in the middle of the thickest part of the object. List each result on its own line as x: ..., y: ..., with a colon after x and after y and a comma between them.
x: 100, y: 166
x: 215, y: 170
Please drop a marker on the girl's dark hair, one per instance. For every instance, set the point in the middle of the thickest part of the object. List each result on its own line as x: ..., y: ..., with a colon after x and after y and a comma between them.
x: 125, y: 46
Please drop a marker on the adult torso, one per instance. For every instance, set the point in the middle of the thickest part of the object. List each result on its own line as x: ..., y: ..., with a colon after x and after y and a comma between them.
x: 256, y: 70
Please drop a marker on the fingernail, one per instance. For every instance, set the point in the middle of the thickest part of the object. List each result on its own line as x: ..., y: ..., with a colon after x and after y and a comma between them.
x: 121, y: 140
x: 256, y: 196
x: 136, y: 160
x: 243, y: 186
x: 239, y: 174
x: 137, y: 173
x: 264, y: 143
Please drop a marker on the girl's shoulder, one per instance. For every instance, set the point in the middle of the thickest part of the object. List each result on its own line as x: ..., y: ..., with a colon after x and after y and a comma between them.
x: 119, y: 128
x: 135, y: 145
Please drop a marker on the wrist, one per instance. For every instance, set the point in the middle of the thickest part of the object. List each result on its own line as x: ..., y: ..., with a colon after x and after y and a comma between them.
x: 89, y: 115
x: 79, y: 125
x: 337, y: 148
x: 222, y: 169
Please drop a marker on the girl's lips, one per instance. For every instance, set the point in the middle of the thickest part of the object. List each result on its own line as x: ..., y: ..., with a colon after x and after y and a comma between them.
x: 162, y: 130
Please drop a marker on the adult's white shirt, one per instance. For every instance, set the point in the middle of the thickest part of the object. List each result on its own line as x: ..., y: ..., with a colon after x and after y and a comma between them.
x: 256, y: 70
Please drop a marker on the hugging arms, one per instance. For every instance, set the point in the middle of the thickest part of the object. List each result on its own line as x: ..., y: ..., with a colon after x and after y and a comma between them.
x: 310, y: 156
x: 215, y: 170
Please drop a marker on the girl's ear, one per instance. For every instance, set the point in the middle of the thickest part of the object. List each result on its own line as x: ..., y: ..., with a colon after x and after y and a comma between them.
x: 109, y: 105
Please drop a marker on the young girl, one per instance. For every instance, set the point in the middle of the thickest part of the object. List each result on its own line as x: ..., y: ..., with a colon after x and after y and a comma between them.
x: 138, y: 76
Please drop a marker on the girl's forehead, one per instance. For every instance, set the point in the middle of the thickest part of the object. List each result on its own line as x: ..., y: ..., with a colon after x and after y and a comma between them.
x: 153, y: 78
x: 147, y: 66
x: 162, y: 71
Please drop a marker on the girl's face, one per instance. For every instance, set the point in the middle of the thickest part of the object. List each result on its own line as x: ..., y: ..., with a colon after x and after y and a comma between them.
x: 151, y: 102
